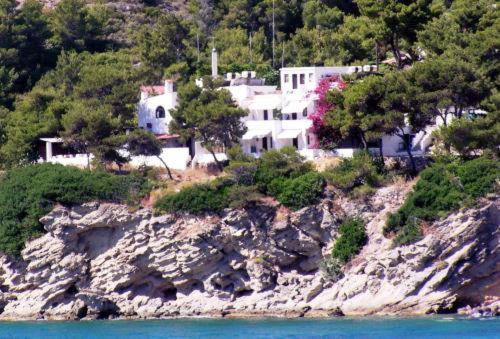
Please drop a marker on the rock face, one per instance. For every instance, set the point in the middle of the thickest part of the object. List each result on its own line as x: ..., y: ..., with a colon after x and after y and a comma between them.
x: 101, y: 260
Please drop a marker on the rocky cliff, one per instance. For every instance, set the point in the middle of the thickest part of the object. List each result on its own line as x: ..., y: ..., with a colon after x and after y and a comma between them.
x: 102, y: 260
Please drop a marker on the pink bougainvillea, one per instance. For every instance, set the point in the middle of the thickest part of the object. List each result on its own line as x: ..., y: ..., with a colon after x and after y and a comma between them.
x: 321, y: 131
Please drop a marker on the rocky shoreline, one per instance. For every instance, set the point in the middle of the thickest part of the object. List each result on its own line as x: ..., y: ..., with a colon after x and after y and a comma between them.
x: 100, y: 261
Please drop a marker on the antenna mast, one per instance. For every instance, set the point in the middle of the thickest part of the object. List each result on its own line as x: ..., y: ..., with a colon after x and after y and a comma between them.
x: 273, y: 33
x: 250, y: 42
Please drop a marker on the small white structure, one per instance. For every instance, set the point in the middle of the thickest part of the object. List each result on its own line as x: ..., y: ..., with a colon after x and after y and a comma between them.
x: 155, y: 105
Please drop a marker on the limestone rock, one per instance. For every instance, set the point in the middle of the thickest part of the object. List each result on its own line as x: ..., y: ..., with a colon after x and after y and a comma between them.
x: 102, y: 261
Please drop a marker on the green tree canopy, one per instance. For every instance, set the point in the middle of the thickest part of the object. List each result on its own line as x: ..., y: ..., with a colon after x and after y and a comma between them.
x: 209, y: 115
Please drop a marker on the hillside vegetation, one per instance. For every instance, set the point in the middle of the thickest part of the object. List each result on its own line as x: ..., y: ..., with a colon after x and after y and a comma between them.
x: 29, y: 193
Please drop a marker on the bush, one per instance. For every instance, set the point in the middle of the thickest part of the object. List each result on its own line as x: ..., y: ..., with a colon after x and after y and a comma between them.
x: 301, y: 191
x: 242, y: 196
x: 441, y: 189
x: 211, y: 197
x: 359, y: 170
x: 28, y: 193
x: 352, y: 239
x: 284, y: 163
x: 242, y: 173
x: 332, y: 268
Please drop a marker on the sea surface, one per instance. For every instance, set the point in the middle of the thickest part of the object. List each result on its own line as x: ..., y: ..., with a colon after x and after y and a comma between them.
x: 429, y: 327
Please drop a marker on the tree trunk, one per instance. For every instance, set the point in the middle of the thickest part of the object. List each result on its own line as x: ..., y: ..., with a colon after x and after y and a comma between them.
x: 219, y: 165
x: 363, y: 140
x: 412, y: 160
x: 395, y: 51
x: 168, y: 169
x: 381, y: 151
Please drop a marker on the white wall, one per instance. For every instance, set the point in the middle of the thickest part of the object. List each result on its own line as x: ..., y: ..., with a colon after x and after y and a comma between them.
x: 176, y: 158
x: 147, y: 112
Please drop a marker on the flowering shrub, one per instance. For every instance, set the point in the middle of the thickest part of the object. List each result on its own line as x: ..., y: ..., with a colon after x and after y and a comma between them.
x: 323, y: 132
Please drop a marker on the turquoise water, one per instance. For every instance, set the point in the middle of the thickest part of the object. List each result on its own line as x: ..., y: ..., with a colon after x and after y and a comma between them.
x: 434, y: 327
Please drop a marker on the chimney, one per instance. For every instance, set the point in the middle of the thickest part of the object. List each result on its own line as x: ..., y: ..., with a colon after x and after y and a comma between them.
x: 214, y: 63
x: 169, y: 86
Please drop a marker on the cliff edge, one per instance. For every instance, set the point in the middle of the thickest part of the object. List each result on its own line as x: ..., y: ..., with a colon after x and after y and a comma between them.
x: 102, y: 260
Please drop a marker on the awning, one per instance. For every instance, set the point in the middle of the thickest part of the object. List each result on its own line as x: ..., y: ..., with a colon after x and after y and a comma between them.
x: 256, y: 133
x: 289, y: 134
x: 53, y: 140
x: 295, y: 106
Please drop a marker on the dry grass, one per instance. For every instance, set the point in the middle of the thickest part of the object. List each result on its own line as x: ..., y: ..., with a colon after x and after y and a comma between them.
x: 181, y: 180
x: 327, y: 162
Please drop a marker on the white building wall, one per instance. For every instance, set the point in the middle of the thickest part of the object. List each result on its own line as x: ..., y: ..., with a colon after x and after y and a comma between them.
x: 147, y: 112
x: 176, y: 158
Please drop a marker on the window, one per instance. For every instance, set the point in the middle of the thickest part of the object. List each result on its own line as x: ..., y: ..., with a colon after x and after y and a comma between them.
x: 302, y: 79
x: 287, y: 78
x: 149, y: 125
x: 294, y: 81
x: 294, y: 116
x: 308, y: 140
x: 311, y: 77
x: 266, y: 115
x: 304, y: 112
x: 160, y: 112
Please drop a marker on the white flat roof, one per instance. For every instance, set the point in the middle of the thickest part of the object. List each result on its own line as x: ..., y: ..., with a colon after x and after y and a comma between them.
x: 52, y: 140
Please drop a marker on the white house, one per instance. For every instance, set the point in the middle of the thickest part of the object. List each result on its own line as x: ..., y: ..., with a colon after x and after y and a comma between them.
x: 279, y: 118
x: 155, y: 105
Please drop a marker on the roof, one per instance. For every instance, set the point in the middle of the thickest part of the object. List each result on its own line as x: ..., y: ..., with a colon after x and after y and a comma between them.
x: 153, y: 89
x: 52, y: 140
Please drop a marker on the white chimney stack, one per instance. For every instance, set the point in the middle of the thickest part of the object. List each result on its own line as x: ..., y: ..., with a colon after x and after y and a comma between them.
x: 169, y: 86
x: 214, y: 63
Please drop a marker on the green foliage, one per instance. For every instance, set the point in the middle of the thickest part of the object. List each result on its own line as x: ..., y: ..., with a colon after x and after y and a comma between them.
x: 28, y: 193
x: 87, y: 97
x: 353, y: 172
x: 301, y: 191
x: 240, y: 196
x: 78, y: 27
x: 242, y: 173
x: 282, y: 174
x: 352, y: 238
x: 199, y: 198
x: 441, y: 189
x: 470, y: 137
x: 332, y: 268
x: 283, y: 163
x: 209, y: 115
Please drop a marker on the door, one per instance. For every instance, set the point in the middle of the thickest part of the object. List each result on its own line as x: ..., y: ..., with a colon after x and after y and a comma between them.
x: 264, y: 144
x: 294, y: 81
x: 266, y: 115
x: 295, y: 142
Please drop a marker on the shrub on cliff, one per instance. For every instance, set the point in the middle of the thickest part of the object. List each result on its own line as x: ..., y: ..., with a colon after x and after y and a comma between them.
x: 359, y: 170
x: 26, y: 194
x: 301, y: 191
x: 283, y: 163
x: 351, y: 240
x: 441, y: 189
x: 208, y: 197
